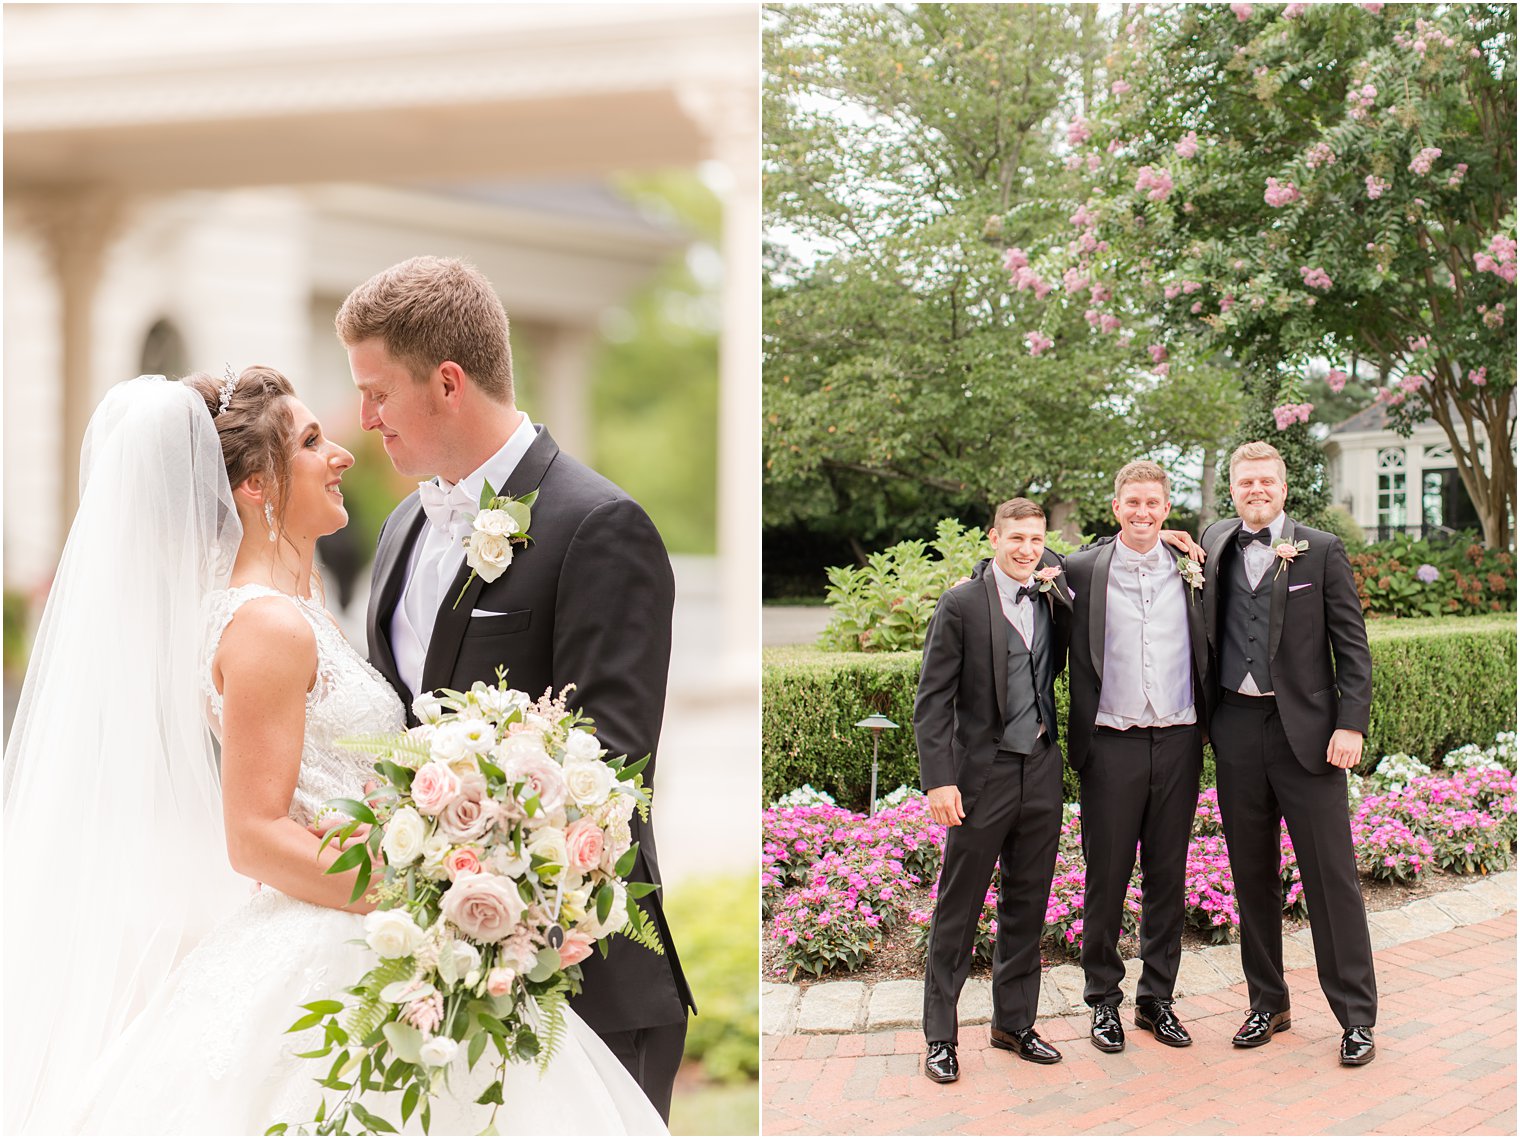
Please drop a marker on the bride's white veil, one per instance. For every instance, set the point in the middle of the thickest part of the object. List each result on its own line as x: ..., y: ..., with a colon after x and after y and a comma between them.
x: 115, y: 860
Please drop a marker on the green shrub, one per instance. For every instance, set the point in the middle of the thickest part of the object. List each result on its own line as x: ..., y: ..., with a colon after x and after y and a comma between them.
x: 885, y: 605
x: 716, y: 924
x: 1461, y: 578
x: 1437, y: 684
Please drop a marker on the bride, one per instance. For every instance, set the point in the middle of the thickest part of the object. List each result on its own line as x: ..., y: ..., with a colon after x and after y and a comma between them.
x: 146, y: 990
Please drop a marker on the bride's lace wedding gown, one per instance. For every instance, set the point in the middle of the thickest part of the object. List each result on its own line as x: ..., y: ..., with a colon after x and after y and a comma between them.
x: 210, y: 1056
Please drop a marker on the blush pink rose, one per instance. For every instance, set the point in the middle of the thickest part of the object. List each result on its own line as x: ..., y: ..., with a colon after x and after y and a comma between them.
x: 465, y: 860
x: 541, y: 776
x: 583, y: 845
x: 576, y: 948
x: 499, y: 982
x: 467, y: 820
x: 434, y: 787
x: 484, y: 907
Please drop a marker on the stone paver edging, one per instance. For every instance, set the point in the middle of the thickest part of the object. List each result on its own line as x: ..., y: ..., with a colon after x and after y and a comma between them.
x: 854, y: 1006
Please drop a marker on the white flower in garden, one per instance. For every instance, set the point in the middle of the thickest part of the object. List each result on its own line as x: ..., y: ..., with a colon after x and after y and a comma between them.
x: 588, y: 782
x: 438, y: 1052
x: 404, y: 836
x: 392, y: 933
x: 581, y: 746
x: 488, y: 555
x: 427, y: 708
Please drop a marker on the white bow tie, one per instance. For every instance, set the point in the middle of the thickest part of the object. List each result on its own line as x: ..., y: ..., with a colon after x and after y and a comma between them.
x: 449, y: 510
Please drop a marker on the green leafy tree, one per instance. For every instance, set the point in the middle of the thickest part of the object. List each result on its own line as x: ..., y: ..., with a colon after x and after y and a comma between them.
x: 1308, y: 182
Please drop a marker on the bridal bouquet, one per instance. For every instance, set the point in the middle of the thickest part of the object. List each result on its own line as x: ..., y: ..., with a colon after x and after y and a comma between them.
x: 505, y: 834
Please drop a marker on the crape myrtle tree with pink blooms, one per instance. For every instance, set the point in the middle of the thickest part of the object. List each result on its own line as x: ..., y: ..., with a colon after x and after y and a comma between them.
x: 1305, y: 184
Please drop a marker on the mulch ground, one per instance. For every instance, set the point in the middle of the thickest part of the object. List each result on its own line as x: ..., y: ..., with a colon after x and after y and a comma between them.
x: 899, y: 958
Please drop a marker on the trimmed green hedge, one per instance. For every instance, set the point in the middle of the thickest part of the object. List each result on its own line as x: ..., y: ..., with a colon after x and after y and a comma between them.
x: 1437, y: 684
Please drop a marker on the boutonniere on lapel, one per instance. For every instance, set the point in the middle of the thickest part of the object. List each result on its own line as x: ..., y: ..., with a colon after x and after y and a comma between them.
x: 1191, y: 572
x: 501, y: 523
x: 1047, y: 577
x: 1286, y: 552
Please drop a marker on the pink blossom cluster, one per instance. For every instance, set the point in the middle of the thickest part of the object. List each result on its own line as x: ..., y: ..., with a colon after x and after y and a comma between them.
x: 1074, y: 280
x: 1294, y: 11
x: 1076, y: 162
x: 1287, y: 414
x: 1426, y: 33
x: 1336, y: 379
x: 1078, y: 132
x: 1458, y: 172
x: 1477, y: 377
x: 1014, y: 259
x: 1412, y: 382
x: 1155, y: 179
x: 1417, y: 343
x: 1187, y: 145
x: 1084, y: 218
x: 1373, y: 6
x: 1037, y: 342
x: 1361, y: 100
x: 1467, y: 818
x: 1319, y: 155
x: 1226, y: 303
x: 1386, y: 847
x: 1376, y: 187
x: 1423, y: 161
x: 1209, y: 889
x: 1242, y: 11
x: 1119, y: 88
x: 1492, y: 317
x: 1105, y: 322
x: 1389, y: 396
x: 1315, y: 278
x: 1157, y: 352
x: 1500, y: 258
x: 1280, y: 193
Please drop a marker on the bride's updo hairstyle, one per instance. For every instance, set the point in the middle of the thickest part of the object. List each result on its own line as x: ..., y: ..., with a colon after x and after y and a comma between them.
x: 255, y: 428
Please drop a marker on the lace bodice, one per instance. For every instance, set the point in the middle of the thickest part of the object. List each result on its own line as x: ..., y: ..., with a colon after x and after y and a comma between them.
x: 349, y: 699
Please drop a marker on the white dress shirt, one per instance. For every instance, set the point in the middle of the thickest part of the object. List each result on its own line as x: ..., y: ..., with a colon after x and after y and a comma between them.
x: 436, y: 559
x: 1258, y: 559
x: 1147, y: 651
x: 1019, y: 611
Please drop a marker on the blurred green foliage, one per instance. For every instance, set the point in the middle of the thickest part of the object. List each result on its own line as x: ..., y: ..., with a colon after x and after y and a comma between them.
x: 716, y: 922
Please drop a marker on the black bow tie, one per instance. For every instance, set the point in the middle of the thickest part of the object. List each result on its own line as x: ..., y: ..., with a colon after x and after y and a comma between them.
x: 1025, y: 591
x: 1244, y: 537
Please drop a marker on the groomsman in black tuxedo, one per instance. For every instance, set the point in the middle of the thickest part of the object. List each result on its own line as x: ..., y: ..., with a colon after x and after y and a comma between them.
x: 587, y: 601
x: 985, y: 724
x: 1286, y: 628
x: 1140, y: 693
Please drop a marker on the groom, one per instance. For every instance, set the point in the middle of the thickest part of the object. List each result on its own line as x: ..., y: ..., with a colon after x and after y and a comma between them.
x: 985, y: 724
x: 586, y: 602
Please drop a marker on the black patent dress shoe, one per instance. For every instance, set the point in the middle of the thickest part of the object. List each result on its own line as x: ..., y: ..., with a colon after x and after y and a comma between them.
x: 941, y: 1065
x: 1027, y: 1045
x: 1357, y: 1047
x: 1155, y: 1013
x: 1107, y: 1033
x: 1260, y: 1026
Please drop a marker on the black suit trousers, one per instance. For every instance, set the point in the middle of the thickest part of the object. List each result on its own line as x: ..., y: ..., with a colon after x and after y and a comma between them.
x: 1261, y: 786
x: 1138, y: 786
x: 1014, y: 825
x: 652, y: 1057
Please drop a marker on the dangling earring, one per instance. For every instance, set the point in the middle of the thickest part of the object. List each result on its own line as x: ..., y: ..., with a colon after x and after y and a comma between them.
x: 269, y: 521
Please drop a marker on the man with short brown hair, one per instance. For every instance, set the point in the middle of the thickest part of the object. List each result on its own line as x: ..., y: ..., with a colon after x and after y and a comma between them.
x: 985, y: 724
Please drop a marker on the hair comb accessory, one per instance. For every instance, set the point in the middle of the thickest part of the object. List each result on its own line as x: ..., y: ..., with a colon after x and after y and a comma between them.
x: 226, y: 392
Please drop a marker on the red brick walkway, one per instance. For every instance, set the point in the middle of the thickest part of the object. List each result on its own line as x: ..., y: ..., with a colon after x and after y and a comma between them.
x: 1445, y: 1066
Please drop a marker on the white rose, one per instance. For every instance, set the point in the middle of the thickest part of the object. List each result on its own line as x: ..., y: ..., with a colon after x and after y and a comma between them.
x: 427, y: 708
x: 522, y: 745
x: 497, y: 523
x: 450, y: 743
x: 549, y: 843
x: 438, y: 1052
x: 504, y: 862
x: 488, y: 555
x: 404, y: 836
x: 434, y: 851
x: 581, y: 745
x: 588, y: 782
x: 392, y: 933
x: 466, y: 958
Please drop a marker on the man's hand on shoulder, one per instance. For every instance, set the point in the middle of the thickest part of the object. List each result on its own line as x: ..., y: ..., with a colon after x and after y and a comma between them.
x: 945, y: 805
x: 1182, y: 541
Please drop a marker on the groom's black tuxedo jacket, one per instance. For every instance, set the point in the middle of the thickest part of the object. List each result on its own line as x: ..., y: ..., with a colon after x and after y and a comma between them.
x: 1087, y: 577
x: 1316, y: 637
x: 960, y: 710
x: 588, y: 601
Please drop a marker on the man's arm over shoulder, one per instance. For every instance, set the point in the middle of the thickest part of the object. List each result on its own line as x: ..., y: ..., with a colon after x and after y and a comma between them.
x: 938, y: 682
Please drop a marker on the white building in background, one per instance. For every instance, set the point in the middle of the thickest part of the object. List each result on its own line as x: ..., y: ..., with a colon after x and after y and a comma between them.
x: 188, y: 186
x: 1392, y: 485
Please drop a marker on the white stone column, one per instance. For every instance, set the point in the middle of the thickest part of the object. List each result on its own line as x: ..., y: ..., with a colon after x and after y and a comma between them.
x: 562, y: 398
x: 77, y: 226
x: 730, y: 117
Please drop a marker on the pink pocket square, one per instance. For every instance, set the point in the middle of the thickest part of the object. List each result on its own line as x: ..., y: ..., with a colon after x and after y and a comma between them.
x: 1296, y: 588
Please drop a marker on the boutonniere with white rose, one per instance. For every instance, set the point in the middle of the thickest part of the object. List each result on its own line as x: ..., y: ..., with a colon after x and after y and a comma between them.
x: 1191, y: 572
x: 501, y: 523
x: 1047, y: 577
x: 1286, y: 552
